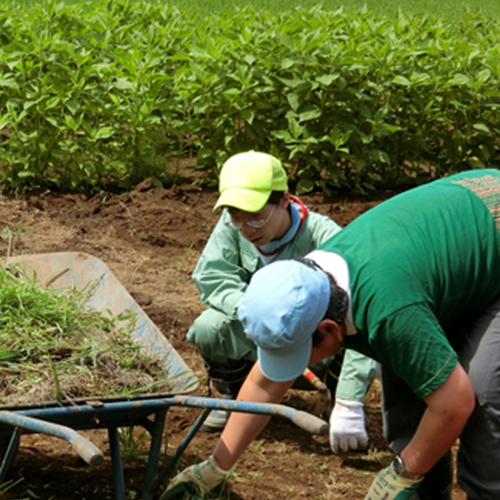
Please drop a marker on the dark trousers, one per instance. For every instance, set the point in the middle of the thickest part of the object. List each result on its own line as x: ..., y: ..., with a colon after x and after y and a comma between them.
x: 478, y: 459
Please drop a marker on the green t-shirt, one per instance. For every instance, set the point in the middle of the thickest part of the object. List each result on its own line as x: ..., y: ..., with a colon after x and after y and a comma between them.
x: 420, y: 264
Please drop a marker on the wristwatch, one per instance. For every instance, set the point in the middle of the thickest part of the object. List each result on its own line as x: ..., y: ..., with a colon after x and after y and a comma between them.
x: 399, y: 469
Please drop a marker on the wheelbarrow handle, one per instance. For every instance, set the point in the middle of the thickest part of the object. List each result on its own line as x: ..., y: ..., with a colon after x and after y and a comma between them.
x: 310, y: 423
x: 87, y: 450
x: 302, y: 419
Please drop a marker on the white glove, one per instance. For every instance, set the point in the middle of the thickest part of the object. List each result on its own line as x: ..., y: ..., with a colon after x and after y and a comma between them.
x: 196, y: 480
x: 347, y: 426
x: 389, y: 486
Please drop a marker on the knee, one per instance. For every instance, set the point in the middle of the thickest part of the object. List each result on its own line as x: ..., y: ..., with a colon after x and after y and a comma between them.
x: 220, y: 338
x: 205, y: 330
x: 212, y: 332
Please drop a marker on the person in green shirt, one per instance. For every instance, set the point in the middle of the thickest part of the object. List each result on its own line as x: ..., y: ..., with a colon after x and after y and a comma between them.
x: 420, y: 293
x: 261, y: 222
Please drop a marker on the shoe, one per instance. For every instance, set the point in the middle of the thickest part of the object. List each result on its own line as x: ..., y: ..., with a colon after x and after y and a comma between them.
x: 216, y: 421
x: 226, y: 380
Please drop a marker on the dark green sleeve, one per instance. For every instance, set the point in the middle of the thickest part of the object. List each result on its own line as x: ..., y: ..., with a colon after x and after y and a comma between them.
x: 412, y: 344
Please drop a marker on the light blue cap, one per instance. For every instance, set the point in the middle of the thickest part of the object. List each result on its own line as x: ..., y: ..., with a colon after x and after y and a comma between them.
x: 282, y: 308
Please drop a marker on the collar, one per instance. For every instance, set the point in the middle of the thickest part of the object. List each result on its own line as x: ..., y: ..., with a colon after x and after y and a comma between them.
x: 298, y: 214
x: 337, y: 267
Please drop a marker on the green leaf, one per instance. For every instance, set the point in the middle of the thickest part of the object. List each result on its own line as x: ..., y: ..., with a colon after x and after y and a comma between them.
x: 283, y: 135
x: 124, y: 84
x: 310, y: 112
x: 248, y: 115
x: 232, y: 92
x: 8, y: 356
x: 380, y: 156
x: 295, y: 100
x: 365, y: 111
x: 73, y: 106
x: 401, y: 80
x: 481, y: 127
x: 475, y: 163
x: 304, y: 186
x: 52, y: 121
x: 459, y: 80
x: 104, y: 133
x: 287, y: 63
x: 249, y: 59
x: 485, y: 152
x: 4, y: 121
x: 292, y: 82
x: 295, y: 129
x: 70, y: 122
x: 9, y: 82
x: 52, y: 103
x: 360, y: 165
x: 179, y: 57
x: 327, y: 80
x: 25, y: 173
x: 200, y: 52
x: 338, y: 138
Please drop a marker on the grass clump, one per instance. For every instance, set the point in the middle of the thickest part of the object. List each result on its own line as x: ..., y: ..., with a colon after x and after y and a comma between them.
x: 52, y: 348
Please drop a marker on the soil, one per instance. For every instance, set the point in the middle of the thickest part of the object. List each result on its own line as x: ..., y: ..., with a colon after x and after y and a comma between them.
x: 151, y: 239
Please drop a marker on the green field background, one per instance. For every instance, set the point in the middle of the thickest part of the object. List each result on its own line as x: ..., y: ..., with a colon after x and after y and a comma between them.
x: 357, y: 95
x: 437, y: 8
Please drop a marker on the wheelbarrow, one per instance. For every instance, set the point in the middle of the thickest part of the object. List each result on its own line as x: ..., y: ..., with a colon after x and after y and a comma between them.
x: 64, y: 420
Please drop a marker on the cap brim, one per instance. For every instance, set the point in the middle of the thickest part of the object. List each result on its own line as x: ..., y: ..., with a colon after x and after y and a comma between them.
x: 280, y: 367
x: 243, y: 199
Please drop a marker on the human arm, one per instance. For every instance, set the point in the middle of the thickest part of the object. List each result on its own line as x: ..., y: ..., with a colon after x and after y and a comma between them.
x: 224, y: 269
x: 242, y: 428
x: 430, y: 367
x: 448, y: 409
x: 238, y: 433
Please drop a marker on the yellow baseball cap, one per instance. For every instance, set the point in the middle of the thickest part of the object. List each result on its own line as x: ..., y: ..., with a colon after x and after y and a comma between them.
x: 247, y: 180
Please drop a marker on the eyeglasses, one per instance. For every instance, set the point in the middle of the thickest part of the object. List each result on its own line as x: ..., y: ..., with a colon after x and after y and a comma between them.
x: 255, y: 224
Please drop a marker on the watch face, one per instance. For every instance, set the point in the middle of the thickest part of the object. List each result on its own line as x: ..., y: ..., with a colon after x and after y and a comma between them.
x: 398, y: 466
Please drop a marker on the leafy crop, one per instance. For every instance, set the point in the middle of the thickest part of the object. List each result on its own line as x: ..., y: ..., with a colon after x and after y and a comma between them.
x: 99, y: 95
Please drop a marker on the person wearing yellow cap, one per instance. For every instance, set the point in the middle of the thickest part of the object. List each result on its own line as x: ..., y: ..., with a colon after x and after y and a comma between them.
x: 261, y: 222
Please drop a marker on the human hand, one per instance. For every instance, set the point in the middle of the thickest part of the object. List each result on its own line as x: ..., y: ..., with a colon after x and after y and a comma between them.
x: 347, y: 426
x: 389, y: 486
x: 195, y: 481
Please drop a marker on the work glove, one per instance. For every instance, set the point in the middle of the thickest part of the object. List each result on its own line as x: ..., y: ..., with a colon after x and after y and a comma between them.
x: 347, y: 426
x: 196, y: 481
x: 389, y: 486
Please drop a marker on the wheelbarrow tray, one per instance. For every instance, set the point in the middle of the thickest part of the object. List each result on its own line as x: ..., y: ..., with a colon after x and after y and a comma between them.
x: 79, y: 271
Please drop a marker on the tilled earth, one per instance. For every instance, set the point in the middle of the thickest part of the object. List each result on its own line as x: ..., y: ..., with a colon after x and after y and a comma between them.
x: 151, y: 239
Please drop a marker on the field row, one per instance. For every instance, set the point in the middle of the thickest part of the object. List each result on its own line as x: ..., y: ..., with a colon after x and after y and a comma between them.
x: 101, y: 95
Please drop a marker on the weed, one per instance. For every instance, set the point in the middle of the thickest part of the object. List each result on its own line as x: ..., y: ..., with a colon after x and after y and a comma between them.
x: 5, y: 487
x: 132, y: 441
x: 185, y: 257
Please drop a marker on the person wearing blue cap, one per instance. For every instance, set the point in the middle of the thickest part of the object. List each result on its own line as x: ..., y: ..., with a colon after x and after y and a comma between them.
x: 420, y: 293
x: 261, y: 222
